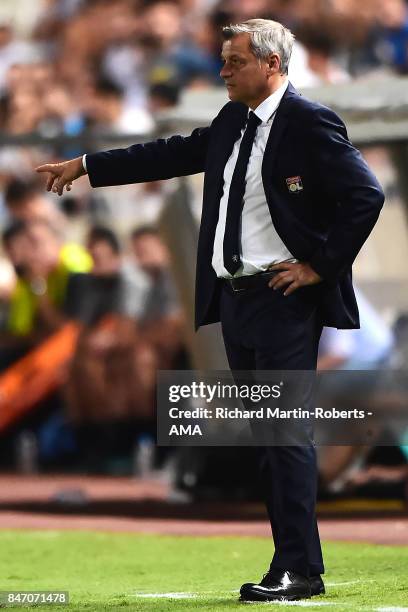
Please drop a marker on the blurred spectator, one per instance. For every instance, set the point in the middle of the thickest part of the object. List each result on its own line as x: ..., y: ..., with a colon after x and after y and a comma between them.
x: 12, y: 51
x: 62, y: 114
x: 43, y: 266
x: 321, y: 51
x: 106, y: 110
x: 300, y: 73
x: 162, y: 322
x: 171, y: 54
x: 112, y: 375
x: 109, y: 287
x: 89, y: 34
x: 111, y: 65
x: 23, y: 111
x: 391, y: 41
x: 163, y: 96
x: 25, y: 200
x: 154, y: 50
x: 16, y: 247
x: 366, y: 348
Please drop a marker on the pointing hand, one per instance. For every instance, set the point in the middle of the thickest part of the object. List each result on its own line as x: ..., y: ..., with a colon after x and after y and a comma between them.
x: 63, y: 174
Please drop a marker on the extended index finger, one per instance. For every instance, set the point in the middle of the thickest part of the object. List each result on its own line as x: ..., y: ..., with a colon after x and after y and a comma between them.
x: 47, y: 168
x: 53, y: 171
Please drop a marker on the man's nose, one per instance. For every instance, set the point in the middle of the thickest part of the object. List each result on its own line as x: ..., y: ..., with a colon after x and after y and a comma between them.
x: 225, y: 71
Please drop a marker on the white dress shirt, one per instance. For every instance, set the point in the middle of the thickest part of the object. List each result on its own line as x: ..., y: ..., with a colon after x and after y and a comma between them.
x: 261, y: 245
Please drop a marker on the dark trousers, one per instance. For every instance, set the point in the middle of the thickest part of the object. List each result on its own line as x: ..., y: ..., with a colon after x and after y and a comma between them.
x: 265, y: 330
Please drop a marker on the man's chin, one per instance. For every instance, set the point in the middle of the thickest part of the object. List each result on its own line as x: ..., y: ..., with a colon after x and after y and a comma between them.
x: 232, y: 94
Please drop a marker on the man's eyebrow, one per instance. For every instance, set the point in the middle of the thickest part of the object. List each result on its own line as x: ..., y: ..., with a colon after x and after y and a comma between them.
x: 232, y: 55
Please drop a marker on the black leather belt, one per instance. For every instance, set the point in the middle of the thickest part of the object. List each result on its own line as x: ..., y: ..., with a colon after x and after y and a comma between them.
x: 254, y: 281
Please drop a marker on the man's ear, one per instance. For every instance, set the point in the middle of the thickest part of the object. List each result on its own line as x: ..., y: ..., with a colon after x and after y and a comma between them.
x: 274, y: 63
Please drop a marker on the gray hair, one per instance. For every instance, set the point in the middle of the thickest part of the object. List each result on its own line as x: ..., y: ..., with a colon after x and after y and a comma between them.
x: 266, y: 37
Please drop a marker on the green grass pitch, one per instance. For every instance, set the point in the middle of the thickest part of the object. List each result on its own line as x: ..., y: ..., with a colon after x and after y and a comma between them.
x: 106, y: 571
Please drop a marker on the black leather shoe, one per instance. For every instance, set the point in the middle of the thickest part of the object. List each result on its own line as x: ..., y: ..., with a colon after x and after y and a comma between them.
x: 277, y: 585
x: 316, y: 585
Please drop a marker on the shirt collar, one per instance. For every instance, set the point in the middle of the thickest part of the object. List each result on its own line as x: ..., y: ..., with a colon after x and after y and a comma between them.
x: 266, y: 109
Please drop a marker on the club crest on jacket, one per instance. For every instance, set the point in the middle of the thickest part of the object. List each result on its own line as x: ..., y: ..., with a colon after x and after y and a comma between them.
x: 294, y: 184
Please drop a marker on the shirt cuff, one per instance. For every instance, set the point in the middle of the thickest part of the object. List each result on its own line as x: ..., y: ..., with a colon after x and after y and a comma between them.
x: 84, y: 163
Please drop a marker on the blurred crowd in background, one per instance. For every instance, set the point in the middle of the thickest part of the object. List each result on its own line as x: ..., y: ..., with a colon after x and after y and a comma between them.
x: 111, y: 64
x: 108, y: 67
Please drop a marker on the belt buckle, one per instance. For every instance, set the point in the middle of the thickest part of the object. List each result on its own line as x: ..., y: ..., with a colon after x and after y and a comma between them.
x: 235, y: 289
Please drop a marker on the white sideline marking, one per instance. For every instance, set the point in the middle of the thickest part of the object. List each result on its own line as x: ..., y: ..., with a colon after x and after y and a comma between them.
x: 303, y: 603
x: 167, y: 595
x: 306, y: 603
x: 189, y: 595
x: 185, y: 594
x: 332, y: 584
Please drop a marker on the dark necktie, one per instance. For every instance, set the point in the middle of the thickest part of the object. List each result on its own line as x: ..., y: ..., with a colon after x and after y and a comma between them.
x: 232, y: 259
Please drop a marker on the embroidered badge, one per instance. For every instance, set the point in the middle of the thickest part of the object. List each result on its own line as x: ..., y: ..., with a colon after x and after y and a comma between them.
x: 294, y: 184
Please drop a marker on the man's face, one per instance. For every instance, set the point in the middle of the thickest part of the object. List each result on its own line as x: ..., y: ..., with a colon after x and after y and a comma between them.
x: 18, y: 250
x: 44, y: 248
x: 246, y: 77
x: 105, y: 261
x: 150, y: 253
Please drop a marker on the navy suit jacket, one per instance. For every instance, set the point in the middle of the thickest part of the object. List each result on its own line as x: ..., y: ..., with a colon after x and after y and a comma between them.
x: 325, y: 221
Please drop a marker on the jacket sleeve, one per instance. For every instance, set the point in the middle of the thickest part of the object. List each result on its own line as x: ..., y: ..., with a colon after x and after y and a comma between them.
x: 151, y: 161
x: 346, y: 178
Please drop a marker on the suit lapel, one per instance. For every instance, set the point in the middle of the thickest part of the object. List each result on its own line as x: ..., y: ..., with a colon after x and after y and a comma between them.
x: 233, y: 130
x: 230, y: 133
x: 225, y: 143
x: 279, y: 125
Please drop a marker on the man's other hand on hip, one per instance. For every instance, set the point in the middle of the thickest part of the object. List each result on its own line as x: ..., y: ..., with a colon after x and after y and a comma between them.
x: 293, y: 276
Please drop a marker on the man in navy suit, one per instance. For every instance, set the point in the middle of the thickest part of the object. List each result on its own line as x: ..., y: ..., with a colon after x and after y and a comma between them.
x: 288, y: 202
